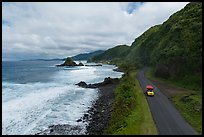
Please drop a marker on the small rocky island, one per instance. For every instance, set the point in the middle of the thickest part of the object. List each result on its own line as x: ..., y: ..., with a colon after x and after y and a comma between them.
x: 70, y: 62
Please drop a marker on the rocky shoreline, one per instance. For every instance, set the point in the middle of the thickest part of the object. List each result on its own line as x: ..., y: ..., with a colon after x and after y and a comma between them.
x: 97, y: 115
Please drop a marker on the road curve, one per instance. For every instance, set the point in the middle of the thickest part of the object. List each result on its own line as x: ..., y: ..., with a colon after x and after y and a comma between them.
x: 167, y: 119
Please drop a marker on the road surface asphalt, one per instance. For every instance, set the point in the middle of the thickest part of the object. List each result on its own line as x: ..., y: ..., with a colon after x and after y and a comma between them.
x: 167, y: 119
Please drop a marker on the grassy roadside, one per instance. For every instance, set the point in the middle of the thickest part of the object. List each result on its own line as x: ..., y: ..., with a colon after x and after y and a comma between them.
x: 188, y: 84
x: 188, y: 103
x: 131, y: 113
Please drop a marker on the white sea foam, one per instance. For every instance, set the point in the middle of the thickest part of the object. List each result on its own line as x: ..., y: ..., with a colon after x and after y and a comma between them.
x: 36, y: 110
x: 32, y: 107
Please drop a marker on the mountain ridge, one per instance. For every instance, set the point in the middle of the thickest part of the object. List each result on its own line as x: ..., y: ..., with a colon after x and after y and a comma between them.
x: 173, y: 48
x: 87, y: 56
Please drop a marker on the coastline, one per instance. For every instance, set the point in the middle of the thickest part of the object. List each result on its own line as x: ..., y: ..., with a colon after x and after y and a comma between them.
x: 97, y: 116
x: 100, y: 112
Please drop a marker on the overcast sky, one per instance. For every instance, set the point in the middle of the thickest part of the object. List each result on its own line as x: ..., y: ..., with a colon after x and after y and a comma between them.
x: 56, y: 30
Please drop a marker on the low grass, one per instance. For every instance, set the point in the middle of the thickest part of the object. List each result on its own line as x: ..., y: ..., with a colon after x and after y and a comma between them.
x: 190, y: 107
x: 131, y: 114
x: 188, y: 82
x: 188, y: 103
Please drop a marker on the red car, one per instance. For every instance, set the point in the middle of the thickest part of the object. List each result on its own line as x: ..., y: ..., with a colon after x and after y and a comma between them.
x: 149, y: 90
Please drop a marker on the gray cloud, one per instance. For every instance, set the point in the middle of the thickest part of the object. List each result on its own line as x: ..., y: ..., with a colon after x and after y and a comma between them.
x: 57, y: 30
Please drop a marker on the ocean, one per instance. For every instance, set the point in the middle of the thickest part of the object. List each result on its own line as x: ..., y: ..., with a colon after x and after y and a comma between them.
x: 37, y: 94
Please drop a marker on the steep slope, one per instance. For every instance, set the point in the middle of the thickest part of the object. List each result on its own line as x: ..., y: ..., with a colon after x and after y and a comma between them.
x: 113, y: 53
x: 173, y: 49
x: 141, y: 47
x: 178, y: 43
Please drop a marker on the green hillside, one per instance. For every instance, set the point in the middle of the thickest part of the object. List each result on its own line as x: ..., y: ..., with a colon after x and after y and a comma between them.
x: 173, y: 49
x: 87, y: 56
x: 178, y: 42
x: 113, y: 53
x: 173, y: 53
x: 141, y: 47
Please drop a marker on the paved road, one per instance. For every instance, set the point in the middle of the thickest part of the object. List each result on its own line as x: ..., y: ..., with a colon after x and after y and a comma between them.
x: 167, y: 118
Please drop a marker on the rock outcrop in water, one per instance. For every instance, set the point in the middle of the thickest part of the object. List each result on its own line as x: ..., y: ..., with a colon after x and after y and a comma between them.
x: 106, y: 81
x: 81, y: 64
x: 70, y: 62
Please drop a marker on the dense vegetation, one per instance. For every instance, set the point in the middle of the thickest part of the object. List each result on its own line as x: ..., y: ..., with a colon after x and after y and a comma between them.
x: 177, y: 54
x: 173, y: 49
x: 87, y: 56
x: 174, y: 52
x: 131, y: 114
x: 113, y: 53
